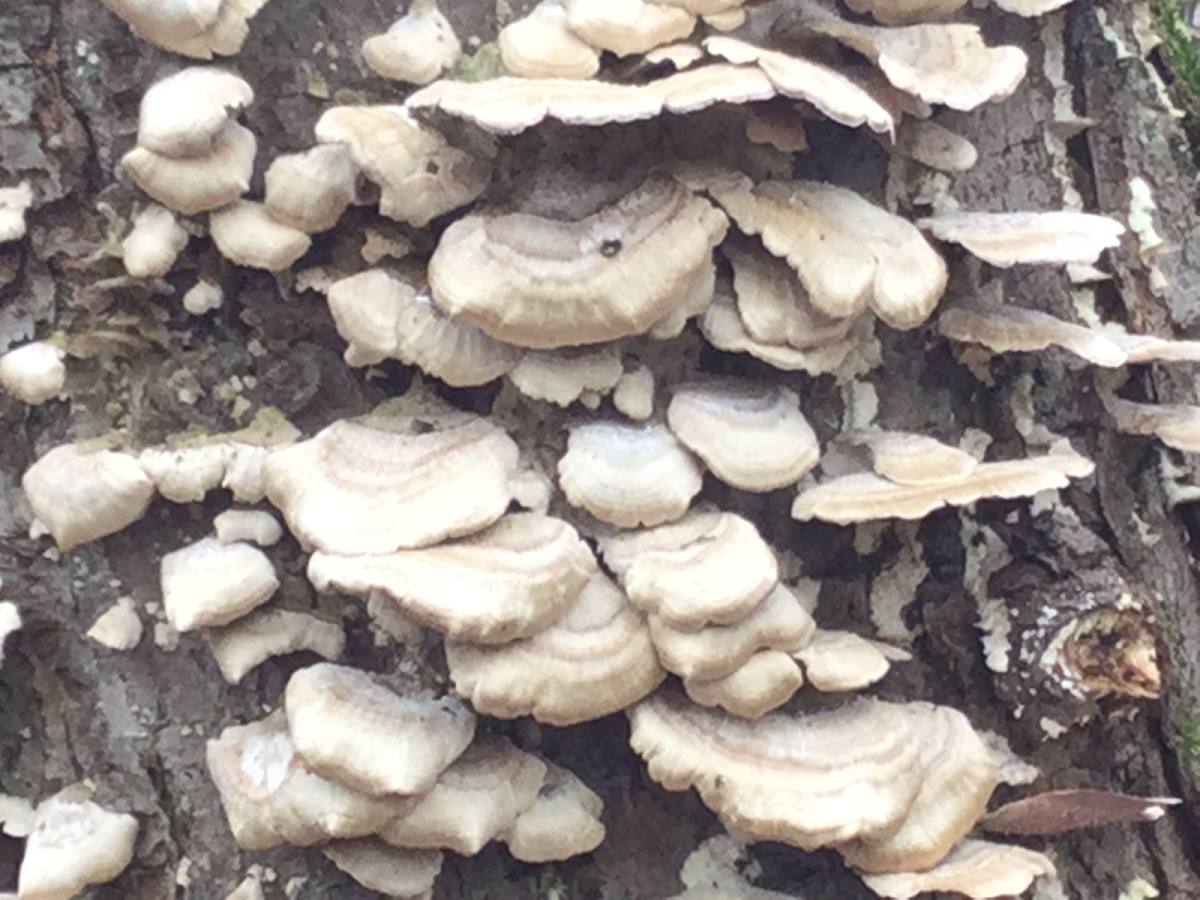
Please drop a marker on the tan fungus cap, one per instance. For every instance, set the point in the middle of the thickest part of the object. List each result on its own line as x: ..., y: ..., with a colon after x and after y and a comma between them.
x: 34, y: 372
x: 540, y: 45
x: 151, y: 248
x: 373, y: 487
x: 628, y: 474
x: 382, y: 314
x: 82, y: 492
x: 474, y: 801
x: 420, y: 175
x: 723, y: 327
x: 271, y: 797
x: 939, y: 63
x: 196, y: 28
x: 597, y: 659
x: 766, y: 681
x: 417, y: 48
x: 544, y: 283
x: 1010, y: 329
x: 627, y: 26
x: 809, y: 780
x: 508, y: 582
x: 74, y: 843
x: 848, y: 252
x: 182, y: 114
x: 865, y: 497
x: 958, y: 776
x: 391, y: 871
x: 309, y: 191
x: 905, y: 12
x: 197, y: 185
x: 779, y: 622
x: 568, y: 374
x: 245, y: 234
x: 349, y: 727
x: 836, y: 661
x: 249, y: 642
x: 752, y: 437
x: 14, y: 201
x: 831, y: 92
x: 709, y: 568
x: 1005, y: 239
x: 977, y: 869
x: 563, y: 822
x: 209, y: 583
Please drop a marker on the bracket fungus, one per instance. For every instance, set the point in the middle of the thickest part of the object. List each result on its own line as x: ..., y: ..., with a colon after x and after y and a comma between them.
x: 863, y: 497
x: 976, y: 869
x: 543, y: 283
x: 248, y: 642
x: 946, y: 63
x: 628, y: 474
x: 779, y: 622
x: 476, y: 799
x: 118, y: 627
x: 752, y: 437
x: 766, y: 681
x: 417, y: 48
x: 772, y: 303
x: 375, y: 486
x: 83, y: 492
x: 14, y: 201
x: 905, y: 12
x: 542, y: 45
x: 350, y: 727
x: 157, y: 239
x: 419, y: 173
x: 384, y: 314
x: 181, y: 115
x: 810, y: 781
x: 886, y: 784
x: 1005, y: 239
x: 74, y: 843
x: 309, y: 191
x: 709, y: 568
x: 191, y: 156
x: 510, y: 581
x: 196, y: 28
x: 842, y: 661
x: 563, y: 822
x: 848, y: 252
x: 392, y: 871
x: 597, y: 659
x: 570, y: 374
x: 245, y: 234
x: 210, y: 583
x: 254, y: 525
x: 627, y: 26
x: 34, y: 372
x: 271, y: 797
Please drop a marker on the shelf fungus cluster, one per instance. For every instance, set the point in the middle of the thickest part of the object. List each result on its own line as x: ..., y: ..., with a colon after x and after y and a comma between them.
x: 386, y: 777
x: 571, y: 563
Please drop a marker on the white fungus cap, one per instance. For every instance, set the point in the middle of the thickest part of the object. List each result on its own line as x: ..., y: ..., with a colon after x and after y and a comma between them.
x: 33, y: 373
x: 74, y: 843
x: 209, y: 583
x: 417, y: 48
x: 157, y: 239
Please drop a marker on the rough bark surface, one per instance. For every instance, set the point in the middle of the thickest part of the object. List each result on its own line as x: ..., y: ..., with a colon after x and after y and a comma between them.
x: 134, y: 724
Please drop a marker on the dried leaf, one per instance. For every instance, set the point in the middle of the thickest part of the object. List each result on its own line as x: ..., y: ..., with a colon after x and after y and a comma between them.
x: 1055, y: 812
